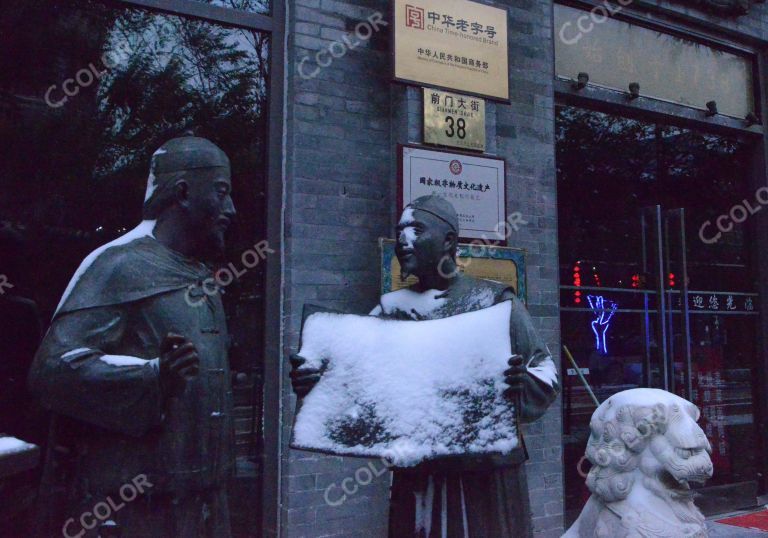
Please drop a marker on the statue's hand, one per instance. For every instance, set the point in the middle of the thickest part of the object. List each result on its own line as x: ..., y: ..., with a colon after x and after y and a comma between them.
x: 303, y: 379
x: 179, y: 362
x: 514, y: 376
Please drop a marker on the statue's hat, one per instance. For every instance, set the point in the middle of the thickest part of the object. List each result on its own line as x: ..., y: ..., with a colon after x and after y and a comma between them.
x: 437, y: 207
x: 176, y: 156
x: 187, y: 153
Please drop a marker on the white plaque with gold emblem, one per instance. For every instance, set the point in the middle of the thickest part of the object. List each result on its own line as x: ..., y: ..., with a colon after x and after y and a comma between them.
x: 454, y: 120
x: 452, y: 44
x: 474, y: 184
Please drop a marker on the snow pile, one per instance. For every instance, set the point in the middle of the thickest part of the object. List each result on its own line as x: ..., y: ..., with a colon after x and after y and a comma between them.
x: 11, y: 445
x: 408, y: 391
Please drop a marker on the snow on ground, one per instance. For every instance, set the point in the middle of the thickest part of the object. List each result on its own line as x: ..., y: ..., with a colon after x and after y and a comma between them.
x: 408, y: 390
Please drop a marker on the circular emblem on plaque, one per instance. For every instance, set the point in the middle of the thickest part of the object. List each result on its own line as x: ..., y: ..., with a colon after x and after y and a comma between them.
x: 456, y: 167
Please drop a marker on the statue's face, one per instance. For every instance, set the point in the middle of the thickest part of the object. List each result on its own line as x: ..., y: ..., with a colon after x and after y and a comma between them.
x: 661, y: 440
x: 211, y: 209
x: 421, y: 242
x: 682, y: 453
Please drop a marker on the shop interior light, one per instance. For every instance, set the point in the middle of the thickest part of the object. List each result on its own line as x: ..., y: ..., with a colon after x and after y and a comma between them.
x: 577, y: 282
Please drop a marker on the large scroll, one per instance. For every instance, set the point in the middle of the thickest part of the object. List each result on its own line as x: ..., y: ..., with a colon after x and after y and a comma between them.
x: 408, y: 391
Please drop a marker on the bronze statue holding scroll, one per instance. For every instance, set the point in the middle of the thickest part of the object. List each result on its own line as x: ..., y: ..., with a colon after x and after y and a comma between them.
x: 472, y: 495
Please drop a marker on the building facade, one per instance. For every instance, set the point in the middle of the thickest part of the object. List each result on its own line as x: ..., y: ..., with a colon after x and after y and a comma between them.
x: 636, y: 259
x: 344, y: 126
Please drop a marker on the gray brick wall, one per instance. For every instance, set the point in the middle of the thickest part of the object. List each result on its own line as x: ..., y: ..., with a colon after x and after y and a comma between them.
x: 343, y: 128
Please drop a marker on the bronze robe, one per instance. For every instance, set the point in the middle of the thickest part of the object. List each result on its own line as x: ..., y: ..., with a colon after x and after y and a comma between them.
x: 472, y: 496
x: 115, y: 424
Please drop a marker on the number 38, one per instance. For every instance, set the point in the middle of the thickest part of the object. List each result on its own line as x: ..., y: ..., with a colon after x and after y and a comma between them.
x: 456, y: 127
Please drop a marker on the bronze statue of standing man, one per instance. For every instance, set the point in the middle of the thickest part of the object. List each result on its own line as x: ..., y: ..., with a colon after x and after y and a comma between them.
x: 138, y: 376
x: 468, y: 496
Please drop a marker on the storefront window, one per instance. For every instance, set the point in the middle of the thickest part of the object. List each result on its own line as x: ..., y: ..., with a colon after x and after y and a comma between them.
x: 89, y: 93
x: 254, y: 6
x: 632, y: 251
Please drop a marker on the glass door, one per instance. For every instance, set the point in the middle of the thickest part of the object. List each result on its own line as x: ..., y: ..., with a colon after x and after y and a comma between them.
x: 647, y: 299
x: 710, y: 357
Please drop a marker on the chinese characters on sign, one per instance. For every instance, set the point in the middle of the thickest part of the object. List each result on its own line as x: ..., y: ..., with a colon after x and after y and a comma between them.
x: 454, y: 120
x: 708, y: 396
x: 721, y: 302
x: 454, y: 44
x: 463, y: 60
x: 474, y: 185
x: 415, y: 19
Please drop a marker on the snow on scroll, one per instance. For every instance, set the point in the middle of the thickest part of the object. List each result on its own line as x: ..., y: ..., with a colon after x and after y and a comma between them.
x: 408, y: 391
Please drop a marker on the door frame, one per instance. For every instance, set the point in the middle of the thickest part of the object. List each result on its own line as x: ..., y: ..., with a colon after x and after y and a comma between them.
x: 273, y: 24
x: 759, y: 225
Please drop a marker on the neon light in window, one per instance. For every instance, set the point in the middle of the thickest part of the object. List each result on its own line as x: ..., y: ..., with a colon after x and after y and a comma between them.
x: 604, y: 309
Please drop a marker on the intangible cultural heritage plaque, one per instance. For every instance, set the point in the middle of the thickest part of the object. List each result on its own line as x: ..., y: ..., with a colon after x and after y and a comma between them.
x: 454, y: 120
x: 474, y: 184
x: 452, y: 44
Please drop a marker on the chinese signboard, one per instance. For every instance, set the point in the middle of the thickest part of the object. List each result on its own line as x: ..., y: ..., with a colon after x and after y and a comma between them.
x: 454, y: 120
x: 474, y: 185
x: 452, y: 44
x: 502, y: 264
x: 721, y: 302
x: 668, y: 67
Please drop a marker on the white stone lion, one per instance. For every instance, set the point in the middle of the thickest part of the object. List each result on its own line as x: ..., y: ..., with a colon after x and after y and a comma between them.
x: 645, y: 449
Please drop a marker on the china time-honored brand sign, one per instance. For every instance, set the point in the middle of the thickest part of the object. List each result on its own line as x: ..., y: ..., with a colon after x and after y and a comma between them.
x: 452, y: 44
x: 475, y: 185
x: 454, y: 120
